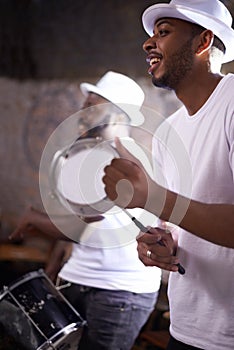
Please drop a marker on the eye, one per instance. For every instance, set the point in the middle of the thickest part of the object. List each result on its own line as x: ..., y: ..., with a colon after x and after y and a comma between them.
x: 163, y: 32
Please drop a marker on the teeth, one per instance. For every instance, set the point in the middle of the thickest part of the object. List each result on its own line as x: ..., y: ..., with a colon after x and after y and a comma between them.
x: 154, y: 60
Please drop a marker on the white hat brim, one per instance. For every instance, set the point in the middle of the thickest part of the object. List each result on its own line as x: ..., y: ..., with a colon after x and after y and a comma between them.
x: 132, y: 111
x: 86, y: 88
x: 220, y: 29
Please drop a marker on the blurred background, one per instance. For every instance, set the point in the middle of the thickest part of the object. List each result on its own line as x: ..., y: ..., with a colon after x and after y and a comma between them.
x: 47, y: 47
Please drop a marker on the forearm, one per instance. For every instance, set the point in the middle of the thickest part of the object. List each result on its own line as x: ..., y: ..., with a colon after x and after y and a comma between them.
x: 42, y: 222
x: 212, y: 222
x: 59, y: 254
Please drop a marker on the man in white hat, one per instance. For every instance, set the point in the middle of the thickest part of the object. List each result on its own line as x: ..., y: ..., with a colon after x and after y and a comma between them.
x: 189, y: 41
x: 103, y: 278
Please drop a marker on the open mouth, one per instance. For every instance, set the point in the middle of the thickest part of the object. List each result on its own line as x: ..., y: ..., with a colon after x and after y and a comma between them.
x: 153, y: 61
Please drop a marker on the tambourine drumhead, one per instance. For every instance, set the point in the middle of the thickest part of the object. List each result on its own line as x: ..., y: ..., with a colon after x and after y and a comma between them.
x: 76, y: 174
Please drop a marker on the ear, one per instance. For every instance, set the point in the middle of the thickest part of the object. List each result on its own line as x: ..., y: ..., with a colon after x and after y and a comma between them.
x: 205, y: 42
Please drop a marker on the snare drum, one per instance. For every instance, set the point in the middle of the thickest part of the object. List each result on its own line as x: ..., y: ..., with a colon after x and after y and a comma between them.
x: 37, y: 316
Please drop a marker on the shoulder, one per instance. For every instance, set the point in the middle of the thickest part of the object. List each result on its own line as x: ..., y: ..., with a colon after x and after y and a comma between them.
x: 226, y: 84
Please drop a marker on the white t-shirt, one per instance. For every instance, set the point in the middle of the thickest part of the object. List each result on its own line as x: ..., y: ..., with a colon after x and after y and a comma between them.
x: 202, y: 166
x: 98, y: 262
x: 106, y: 256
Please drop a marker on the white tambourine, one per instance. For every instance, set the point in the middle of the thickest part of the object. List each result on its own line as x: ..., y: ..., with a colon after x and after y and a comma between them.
x: 76, y: 176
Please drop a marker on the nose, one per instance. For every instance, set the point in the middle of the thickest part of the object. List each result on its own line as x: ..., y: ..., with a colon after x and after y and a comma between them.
x: 149, y: 44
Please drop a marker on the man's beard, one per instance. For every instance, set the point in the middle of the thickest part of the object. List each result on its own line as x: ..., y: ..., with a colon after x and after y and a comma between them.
x: 179, y: 64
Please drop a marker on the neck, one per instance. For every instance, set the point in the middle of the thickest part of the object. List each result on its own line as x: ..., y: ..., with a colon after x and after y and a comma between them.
x: 195, y: 90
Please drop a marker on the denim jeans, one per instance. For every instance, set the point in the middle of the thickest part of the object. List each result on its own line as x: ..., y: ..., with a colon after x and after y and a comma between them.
x: 114, y: 318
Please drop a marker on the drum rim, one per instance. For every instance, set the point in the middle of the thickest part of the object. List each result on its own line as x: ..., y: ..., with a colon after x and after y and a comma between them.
x: 20, y: 280
x: 61, y: 335
x: 69, y: 329
x: 86, y: 210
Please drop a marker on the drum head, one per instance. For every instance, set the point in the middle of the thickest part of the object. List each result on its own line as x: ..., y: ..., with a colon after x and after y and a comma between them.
x: 76, y: 176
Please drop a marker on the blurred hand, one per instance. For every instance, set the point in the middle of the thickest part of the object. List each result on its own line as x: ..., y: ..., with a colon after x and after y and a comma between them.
x: 161, y: 245
x: 34, y: 220
x: 91, y: 219
x: 24, y: 226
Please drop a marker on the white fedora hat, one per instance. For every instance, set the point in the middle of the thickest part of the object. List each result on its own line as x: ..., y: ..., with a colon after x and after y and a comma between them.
x: 121, y: 91
x: 210, y: 14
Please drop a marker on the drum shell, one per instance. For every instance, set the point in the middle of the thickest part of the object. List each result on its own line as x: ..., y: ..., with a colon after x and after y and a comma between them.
x: 41, y: 317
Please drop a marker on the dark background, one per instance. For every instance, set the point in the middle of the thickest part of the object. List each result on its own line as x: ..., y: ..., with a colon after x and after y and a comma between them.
x: 67, y: 39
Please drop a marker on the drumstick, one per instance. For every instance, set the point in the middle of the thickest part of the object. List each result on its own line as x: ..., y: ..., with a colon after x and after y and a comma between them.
x: 143, y: 228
